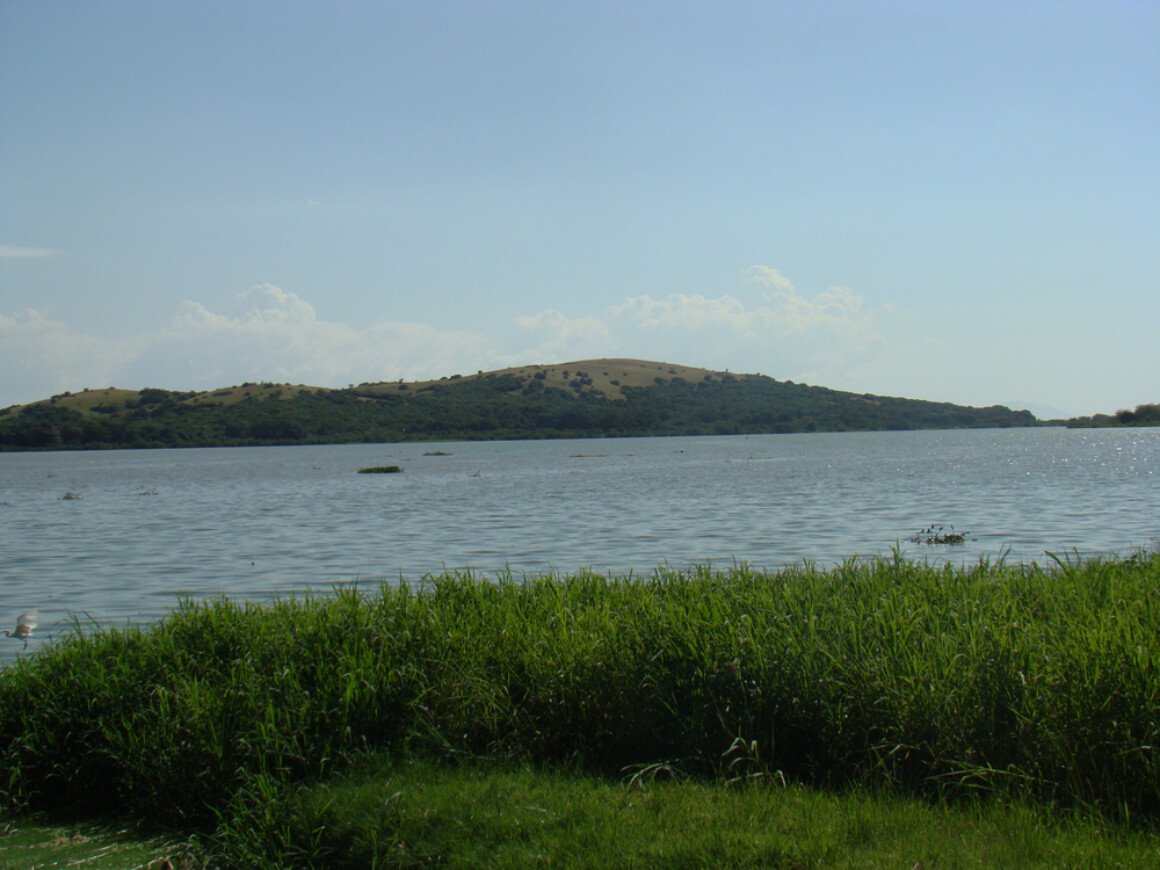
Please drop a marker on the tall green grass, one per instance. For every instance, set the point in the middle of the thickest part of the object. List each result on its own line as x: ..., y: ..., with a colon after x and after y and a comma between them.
x: 1038, y: 682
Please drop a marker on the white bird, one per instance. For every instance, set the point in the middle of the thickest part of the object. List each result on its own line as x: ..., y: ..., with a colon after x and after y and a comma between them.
x: 24, y: 625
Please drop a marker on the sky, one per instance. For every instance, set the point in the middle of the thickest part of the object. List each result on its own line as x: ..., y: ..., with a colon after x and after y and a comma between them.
x: 957, y: 201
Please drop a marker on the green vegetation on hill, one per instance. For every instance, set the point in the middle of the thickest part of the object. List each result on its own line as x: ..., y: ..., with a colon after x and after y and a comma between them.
x: 600, y: 398
x: 1144, y: 415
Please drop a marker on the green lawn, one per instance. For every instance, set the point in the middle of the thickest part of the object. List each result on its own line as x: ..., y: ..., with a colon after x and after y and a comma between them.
x: 390, y: 814
x: 400, y: 815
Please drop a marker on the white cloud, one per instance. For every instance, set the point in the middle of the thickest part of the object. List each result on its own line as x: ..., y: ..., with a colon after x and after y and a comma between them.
x: 837, y: 308
x: 769, y: 277
x: 554, y: 322
x: 19, y: 252
x: 281, y: 307
x: 767, y: 325
x: 273, y: 334
x: 41, y: 357
x: 681, y: 312
x: 779, y: 311
x: 551, y: 336
x: 280, y: 337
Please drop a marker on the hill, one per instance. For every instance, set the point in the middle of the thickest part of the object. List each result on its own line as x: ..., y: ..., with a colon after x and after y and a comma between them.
x: 589, y: 398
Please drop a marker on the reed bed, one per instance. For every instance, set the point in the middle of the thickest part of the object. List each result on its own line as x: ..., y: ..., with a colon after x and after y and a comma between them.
x: 1041, y: 682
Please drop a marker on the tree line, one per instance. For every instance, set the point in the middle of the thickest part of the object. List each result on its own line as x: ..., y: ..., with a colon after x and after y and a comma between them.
x: 1144, y: 415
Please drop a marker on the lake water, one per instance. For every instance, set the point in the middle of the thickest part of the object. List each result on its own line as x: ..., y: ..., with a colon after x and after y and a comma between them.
x: 121, y: 536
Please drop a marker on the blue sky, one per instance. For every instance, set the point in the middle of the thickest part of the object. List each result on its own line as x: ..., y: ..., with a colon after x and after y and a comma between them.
x: 942, y: 200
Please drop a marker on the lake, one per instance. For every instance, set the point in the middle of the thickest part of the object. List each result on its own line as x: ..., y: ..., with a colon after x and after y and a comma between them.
x: 120, y: 537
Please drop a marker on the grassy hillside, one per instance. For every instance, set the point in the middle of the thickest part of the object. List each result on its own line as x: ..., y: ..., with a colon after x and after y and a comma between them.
x: 590, y: 398
x: 594, y: 377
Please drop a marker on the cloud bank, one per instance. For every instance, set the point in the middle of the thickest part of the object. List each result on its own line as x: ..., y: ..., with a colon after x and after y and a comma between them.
x: 41, y: 357
x: 273, y: 334
x: 278, y: 336
x: 767, y: 325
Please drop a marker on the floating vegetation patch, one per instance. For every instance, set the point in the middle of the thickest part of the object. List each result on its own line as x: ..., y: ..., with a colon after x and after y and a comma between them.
x: 940, y: 535
x: 380, y: 469
x: 71, y: 496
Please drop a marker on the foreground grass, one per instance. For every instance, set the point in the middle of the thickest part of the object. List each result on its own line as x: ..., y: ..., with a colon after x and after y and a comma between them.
x: 36, y: 842
x: 1022, y: 683
x: 387, y: 814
